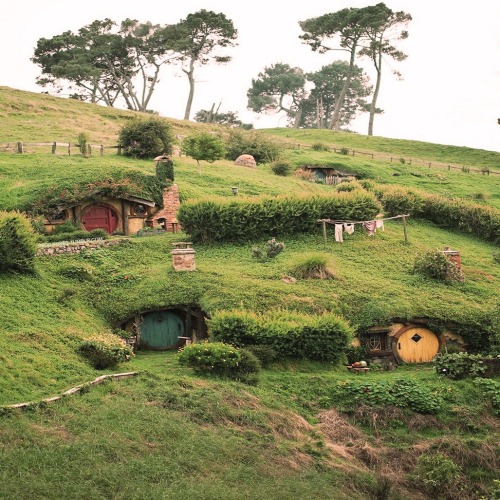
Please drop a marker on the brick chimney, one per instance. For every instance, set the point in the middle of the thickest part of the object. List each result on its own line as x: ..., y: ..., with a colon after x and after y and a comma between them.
x: 171, y: 203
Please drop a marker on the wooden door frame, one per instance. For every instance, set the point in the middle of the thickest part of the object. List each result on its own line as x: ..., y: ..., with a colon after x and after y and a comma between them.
x: 441, y: 339
x: 91, y: 206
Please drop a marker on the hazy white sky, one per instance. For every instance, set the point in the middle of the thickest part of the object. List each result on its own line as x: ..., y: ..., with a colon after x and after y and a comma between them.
x: 450, y: 93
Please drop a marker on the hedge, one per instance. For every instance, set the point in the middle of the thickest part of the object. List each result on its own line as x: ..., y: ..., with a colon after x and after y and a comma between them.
x: 450, y: 213
x: 223, y: 219
x: 320, y: 337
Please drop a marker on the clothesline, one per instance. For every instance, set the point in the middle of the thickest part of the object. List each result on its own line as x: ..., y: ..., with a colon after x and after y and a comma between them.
x: 330, y: 221
x: 366, y: 223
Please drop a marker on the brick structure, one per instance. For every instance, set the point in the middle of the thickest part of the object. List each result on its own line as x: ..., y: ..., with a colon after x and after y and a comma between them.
x: 453, y: 255
x: 183, y: 257
x: 167, y: 216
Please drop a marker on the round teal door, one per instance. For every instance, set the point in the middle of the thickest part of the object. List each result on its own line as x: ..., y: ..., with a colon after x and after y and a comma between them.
x: 161, y: 329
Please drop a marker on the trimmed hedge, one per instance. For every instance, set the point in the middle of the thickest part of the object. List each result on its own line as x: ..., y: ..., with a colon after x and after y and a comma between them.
x: 454, y: 213
x: 321, y: 337
x: 17, y: 243
x: 225, y: 219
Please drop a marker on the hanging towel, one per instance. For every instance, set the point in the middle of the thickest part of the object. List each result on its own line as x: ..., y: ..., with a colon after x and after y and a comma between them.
x: 370, y: 226
x: 380, y: 224
x: 349, y: 228
x: 338, y: 233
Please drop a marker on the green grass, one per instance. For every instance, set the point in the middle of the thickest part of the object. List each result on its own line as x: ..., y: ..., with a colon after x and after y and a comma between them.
x: 169, y: 434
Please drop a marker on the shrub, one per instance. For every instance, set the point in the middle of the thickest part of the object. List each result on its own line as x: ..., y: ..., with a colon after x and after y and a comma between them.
x: 399, y: 201
x: 348, y: 186
x: 79, y: 234
x: 104, y: 352
x: 460, y: 365
x: 344, y: 151
x: 146, y: 138
x: 357, y: 353
x: 18, y: 243
x: 281, y: 168
x: 311, y: 267
x: 496, y: 256
x: 272, y: 249
x: 435, y: 264
x: 435, y: 473
x: 323, y: 338
x: 223, y: 219
x: 82, y: 142
x: 319, y: 146
x: 165, y: 170
x: 491, y: 389
x: 260, y: 146
x: 265, y: 354
x: 220, y: 359
x: 402, y: 393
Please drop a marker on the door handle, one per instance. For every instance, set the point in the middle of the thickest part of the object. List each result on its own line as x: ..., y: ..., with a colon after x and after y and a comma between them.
x: 399, y: 346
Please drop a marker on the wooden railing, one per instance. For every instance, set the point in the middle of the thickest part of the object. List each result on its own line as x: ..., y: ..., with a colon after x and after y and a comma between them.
x: 55, y: 147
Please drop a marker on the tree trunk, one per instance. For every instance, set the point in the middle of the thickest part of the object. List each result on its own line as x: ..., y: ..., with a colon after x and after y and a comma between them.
x: 377, y: 60
x: 334, y: 124
x: 190, y: 75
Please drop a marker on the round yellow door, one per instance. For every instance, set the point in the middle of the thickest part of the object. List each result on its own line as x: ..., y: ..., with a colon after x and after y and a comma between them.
x: 417, y: 345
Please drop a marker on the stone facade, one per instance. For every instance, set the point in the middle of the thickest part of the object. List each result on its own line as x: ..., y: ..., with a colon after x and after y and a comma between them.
x: 72, y: 247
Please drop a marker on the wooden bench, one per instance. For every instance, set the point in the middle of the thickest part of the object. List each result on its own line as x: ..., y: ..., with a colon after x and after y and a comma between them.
x: 357, y: 369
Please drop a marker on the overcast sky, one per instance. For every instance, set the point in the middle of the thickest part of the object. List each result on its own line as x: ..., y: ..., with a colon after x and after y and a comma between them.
x: 450, y: 92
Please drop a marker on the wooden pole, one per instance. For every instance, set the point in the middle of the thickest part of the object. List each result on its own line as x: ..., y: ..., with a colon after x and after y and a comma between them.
x: 404, y: 229
x: 324, y: 230
x: 54, y: 146
x: 101, y: 150
x: 69, y: 148
x: 20, y: 147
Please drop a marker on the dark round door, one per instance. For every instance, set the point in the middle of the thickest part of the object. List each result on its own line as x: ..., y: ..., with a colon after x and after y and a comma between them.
x: 100, y: 217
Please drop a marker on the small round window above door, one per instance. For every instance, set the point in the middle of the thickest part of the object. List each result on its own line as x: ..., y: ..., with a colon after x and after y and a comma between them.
x: 100, y: 217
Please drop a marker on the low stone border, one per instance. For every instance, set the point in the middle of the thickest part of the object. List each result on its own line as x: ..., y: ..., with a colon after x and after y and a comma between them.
x: 73, y: 390
x: 75, y: 246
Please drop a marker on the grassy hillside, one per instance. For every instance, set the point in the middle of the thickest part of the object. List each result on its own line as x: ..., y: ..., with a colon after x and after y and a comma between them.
x: 299, y: 433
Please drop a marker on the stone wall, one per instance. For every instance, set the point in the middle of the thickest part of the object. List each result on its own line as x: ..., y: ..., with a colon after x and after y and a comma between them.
x: 72, y: 247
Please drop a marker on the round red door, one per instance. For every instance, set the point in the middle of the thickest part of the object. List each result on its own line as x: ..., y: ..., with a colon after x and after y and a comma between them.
x: 100, y: 217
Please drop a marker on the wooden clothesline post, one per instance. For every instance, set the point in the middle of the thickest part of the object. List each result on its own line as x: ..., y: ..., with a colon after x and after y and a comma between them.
x: 405, y: 230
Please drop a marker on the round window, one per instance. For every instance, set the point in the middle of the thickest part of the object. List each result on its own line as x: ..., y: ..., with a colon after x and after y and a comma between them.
x: 59, y: 216
x: 140, y: 209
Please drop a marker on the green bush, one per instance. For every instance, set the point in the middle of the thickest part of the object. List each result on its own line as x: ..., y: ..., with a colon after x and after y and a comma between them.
x: 491, y: 389
x: 265, y: 354
x: 400, y: 201
x: 220, y: 359
x: 348, y: 186
x: 271, y: 250
x: 344, y: 151
x: 82, y: 143
x: 261, y: 147
x: 402, y: 393
x: 226, y: 219
x: 146, y: 138
x: 460, y: 365
x: 18, y: 243
x: 357, y: 353
x: 435, y: 264
x: 105, y: 353
x: 322, y: 337
x: 281, y: 168
x: 436, y: 474
x: 165, y: 170
x: 319, y: 146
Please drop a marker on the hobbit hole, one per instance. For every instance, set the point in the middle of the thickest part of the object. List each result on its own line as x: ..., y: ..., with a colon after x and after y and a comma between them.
x: 166, y: 329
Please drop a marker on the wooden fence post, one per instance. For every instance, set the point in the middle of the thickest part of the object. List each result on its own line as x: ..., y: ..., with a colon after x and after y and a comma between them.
x: 20, y: 147
x: 69, y: 148
x: 89, y: 149
x: 404, y: 229
x: 119, y: 149
x: 54, y: 146
x: 101, y: 150
x: 324, y: 231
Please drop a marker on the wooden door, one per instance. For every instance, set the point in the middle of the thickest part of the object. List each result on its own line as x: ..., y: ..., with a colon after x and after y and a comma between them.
x: 100, y: 217
x: 417, y: 345
x: 161, y: 329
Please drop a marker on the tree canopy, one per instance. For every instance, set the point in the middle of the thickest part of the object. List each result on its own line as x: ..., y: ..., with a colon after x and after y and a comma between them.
x: 279, y: 87
x: 203, y: 147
